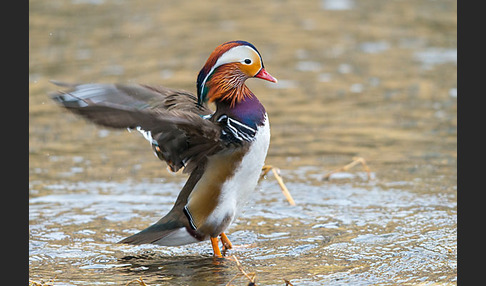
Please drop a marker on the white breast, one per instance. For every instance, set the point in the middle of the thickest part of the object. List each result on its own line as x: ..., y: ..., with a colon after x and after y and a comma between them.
x: 237, y: 189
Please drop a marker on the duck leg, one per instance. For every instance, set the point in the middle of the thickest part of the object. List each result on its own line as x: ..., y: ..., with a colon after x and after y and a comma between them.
x: 226, y: 242
x: 216, y: 250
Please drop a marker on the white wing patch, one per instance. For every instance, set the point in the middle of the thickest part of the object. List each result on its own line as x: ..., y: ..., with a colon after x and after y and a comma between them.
x: 146, y: 134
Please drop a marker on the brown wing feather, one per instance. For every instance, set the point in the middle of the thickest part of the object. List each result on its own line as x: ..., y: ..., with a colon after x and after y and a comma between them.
x: 182, y: 136
x: 172, y: 221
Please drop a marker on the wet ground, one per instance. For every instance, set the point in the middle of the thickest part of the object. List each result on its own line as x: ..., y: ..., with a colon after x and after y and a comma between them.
x: 375, y: 79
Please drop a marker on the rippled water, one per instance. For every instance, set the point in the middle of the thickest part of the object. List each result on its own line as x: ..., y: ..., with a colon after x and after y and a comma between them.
x: 366, y: 233
x: 374, y: 79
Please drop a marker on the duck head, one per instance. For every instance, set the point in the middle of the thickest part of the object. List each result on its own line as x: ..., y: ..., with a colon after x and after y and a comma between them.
x: 222, y: 78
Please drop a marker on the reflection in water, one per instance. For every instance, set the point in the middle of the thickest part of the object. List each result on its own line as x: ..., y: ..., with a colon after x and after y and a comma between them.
x: 193, y: 270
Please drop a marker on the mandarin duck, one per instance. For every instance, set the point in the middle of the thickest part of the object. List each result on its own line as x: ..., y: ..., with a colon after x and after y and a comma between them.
x: 223, y: 151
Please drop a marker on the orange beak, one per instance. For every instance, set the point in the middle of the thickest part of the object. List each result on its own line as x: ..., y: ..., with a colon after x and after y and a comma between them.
x: 263, y: 74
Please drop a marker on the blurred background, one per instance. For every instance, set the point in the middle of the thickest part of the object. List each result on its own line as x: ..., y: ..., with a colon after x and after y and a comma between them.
x: 375, y: 79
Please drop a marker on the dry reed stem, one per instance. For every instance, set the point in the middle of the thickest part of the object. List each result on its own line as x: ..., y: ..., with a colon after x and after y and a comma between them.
x: 249, y: 276
x: 33, y: 283
x: 275, y: 171
x: 356, y: 161
x: 139, y: 281
x: 283, y: 187
x: 287, y: 283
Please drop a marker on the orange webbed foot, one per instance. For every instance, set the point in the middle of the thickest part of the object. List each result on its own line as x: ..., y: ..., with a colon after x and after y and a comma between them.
x: 226, y: 242
x: 216, y: 250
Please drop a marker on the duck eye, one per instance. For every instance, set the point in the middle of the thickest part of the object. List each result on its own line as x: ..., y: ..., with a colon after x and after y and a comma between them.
x: 247, y: 61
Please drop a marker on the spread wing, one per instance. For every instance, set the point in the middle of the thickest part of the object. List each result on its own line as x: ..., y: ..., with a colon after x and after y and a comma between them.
x: 171, y: 119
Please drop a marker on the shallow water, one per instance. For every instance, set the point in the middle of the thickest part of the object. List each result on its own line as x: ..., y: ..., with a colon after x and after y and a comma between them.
x: 375, y: 79
x: 341, y: 232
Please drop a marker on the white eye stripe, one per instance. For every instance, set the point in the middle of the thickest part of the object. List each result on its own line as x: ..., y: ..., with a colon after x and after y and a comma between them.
x: 236, y: 54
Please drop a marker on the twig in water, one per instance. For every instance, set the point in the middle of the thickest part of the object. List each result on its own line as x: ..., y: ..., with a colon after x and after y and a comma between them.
x: 277, y: 176
x: 33, y: 283
x: 356, y: 161
x: 139, y: 281
x: 249, y: 276
x: 287, y: 283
